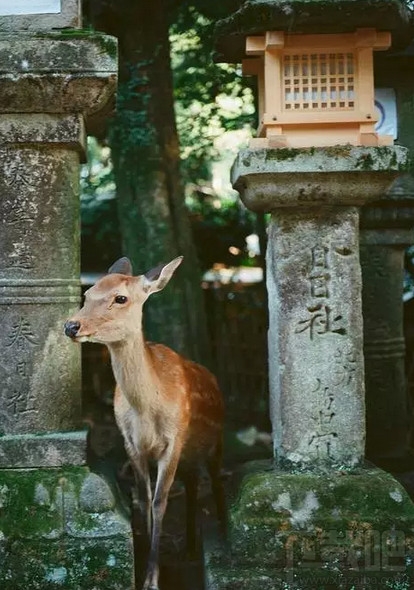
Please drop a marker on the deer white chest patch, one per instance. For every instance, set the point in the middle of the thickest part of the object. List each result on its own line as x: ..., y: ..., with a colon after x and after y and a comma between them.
x: 144, y: 433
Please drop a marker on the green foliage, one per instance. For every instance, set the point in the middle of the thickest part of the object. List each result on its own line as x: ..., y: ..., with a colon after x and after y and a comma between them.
x: 97, y: 180
x: 409, y: 270
x: 100, y: 228
x: 210, y: 101
x: 210, y: 98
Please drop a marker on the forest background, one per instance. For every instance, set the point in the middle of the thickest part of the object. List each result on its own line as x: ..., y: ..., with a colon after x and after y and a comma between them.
x: 157, y: 180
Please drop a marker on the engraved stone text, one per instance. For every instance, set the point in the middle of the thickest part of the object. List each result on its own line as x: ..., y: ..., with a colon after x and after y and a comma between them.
x: 320, y: 320
x: 320, y: 317
x: 345, y: 367
x: 322, y: 439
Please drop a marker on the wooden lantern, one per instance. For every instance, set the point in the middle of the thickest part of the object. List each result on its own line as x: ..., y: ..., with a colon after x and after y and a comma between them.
x: 316, y: 90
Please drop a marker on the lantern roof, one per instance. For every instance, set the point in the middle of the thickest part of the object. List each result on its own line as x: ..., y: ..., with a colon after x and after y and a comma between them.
x: 310, y: 17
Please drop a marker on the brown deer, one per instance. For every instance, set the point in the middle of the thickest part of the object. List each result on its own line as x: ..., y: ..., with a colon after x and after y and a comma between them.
x: 169, y: 409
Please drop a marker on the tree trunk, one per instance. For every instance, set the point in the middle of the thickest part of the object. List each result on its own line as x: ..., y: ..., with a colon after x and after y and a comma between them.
x: 154, y: 221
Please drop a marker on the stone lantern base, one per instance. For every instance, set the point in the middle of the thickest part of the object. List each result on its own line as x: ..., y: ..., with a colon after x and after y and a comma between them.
x: 59, y: 529
x: 315, y: 530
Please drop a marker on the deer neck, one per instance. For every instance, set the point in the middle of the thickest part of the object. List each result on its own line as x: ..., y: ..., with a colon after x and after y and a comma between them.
x: 133, y: 371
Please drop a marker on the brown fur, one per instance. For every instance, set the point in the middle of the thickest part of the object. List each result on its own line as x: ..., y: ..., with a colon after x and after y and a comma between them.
x: 168, y: 408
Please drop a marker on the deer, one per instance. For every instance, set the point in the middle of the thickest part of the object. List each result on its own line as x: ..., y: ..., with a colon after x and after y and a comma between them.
x: 168, y: 408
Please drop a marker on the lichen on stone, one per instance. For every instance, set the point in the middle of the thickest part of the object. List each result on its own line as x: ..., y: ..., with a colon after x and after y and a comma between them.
x: 44, y: 527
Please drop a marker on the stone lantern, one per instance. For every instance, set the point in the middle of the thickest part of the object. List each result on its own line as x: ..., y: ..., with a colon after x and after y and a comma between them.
x: 318, y: 513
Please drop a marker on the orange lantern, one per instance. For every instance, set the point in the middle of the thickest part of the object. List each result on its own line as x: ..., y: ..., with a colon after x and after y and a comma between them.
x: 316, y: 89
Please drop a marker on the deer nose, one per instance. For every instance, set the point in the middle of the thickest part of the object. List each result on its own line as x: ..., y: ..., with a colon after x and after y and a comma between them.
x: 71, y: 329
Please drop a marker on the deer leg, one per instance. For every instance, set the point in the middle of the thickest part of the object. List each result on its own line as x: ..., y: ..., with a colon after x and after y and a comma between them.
x: 143, y: 484
x: 167, y: 467
x: 142, y: 516
x: 214, y: 467
x: 190, y: 478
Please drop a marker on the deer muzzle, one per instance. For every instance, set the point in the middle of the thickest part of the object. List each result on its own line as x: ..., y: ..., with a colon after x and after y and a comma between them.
x: 72, y: 328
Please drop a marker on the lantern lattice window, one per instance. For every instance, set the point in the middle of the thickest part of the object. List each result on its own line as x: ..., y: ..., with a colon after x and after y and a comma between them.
x: 319, y: 81
x: 316, y: 89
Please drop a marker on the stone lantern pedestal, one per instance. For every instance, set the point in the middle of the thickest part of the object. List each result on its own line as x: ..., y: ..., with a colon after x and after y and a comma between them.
x: 59, y: 527
x: 318, y: 515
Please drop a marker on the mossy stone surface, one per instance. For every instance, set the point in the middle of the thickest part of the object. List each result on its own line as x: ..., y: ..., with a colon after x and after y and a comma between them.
x: 309, y: 17
x: 61, y: 51
x: 228, y: 576
x: 339, y: 158
x: 268, y: 179
x: 107, y: 45
x: 315, y: 530
x: 46, y: 525
x: 81, y: 565
x: 274, y: 510
x: 75, y: 71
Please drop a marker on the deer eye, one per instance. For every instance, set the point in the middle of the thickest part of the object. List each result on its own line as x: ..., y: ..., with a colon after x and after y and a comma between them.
x: 121, y: 299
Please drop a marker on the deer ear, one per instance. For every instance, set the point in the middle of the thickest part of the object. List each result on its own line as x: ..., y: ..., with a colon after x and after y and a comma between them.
x: 122, y: 266
x: 157, y: 278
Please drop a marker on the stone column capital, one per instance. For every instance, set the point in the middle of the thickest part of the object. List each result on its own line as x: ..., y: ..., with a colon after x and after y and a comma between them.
x: 66, y: 72
x: 269, y: 179
x: 30, y: 129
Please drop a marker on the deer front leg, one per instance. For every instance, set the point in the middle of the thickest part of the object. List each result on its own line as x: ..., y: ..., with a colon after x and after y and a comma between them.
x: 167, y: 467
x: 142, y: 499
x: 143, y: 484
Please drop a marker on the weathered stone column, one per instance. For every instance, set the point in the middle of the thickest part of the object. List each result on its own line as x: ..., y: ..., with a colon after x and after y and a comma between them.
x: 59, y: 526
x: 386, y: 230
x: 318, y: 506
x: 314, y: 286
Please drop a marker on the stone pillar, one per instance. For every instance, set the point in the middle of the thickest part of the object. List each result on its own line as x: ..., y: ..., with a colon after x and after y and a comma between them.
x: 311, y: 509
x: 59, y: 527
x: 39, y: 270
x: 314, y: 286
x: 315, y: 335
x: 386, y: 231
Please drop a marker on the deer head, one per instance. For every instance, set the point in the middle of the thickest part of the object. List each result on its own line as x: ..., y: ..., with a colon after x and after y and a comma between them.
x: 112, y: 310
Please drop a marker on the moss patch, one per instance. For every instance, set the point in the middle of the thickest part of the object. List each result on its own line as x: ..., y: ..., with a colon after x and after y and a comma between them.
x: 226, y: 576
x: 344, y: 159
x: 43, y: 526
x: 69, y: 564
x: 30, y: 505
x: 108, y: 45
x: 320, y: 530
x: 274, y: 510
x: 368, y: 495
